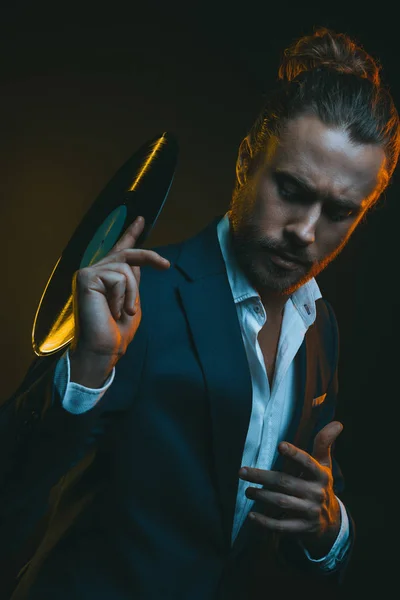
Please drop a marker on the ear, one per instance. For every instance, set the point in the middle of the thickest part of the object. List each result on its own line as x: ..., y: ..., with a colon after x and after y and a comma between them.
x: 243, y: 161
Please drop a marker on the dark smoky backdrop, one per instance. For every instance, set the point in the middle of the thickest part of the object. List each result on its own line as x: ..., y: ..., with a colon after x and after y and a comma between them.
x: 82, y: 86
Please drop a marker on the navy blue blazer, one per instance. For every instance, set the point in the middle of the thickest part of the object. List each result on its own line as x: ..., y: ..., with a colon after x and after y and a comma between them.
x: 136, y: 498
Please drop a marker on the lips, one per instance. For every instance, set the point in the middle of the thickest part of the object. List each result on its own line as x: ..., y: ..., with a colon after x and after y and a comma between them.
x: 290, y: 258
x: 285, y: 261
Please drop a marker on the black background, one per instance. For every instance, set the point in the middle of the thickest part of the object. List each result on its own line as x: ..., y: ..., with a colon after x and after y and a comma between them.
x: 83, y: 85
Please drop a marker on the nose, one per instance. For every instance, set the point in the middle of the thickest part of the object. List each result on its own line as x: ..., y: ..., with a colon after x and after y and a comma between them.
x: 302, y: 226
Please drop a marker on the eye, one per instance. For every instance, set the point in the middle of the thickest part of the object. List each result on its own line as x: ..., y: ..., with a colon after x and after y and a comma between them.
x: 289, y: 192
x: 337, y: 214
x: 289, y: 189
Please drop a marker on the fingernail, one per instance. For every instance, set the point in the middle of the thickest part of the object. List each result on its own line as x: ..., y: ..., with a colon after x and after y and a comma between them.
x: 243, y: 472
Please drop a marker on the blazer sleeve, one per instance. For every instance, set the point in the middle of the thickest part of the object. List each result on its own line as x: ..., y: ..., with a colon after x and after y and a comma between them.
x: 40, y: 441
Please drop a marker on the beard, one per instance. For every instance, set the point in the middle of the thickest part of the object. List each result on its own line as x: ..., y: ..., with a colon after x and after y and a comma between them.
x: 252, y: 255
x: 253, y: 249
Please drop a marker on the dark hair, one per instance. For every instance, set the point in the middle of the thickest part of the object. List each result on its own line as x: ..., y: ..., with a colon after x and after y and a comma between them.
x: 329, y: 75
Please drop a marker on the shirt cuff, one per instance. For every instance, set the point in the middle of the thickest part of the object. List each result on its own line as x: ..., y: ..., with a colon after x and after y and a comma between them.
x: 339, y: 548
x: 76, y: 398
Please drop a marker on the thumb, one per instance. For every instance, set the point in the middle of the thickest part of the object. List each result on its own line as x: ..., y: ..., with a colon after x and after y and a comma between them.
x: 323, y: 442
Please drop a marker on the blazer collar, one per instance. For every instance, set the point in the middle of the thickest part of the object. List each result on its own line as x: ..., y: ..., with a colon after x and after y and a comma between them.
x: 201, y: 255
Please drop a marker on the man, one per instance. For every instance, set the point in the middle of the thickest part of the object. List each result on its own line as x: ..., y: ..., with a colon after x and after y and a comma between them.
x: 183, y: 446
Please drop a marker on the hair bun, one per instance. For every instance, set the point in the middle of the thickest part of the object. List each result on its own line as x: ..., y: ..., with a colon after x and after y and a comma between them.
x: 326, y: 48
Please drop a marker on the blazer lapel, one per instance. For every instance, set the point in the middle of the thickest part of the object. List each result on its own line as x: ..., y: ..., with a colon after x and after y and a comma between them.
x: 301, y: 421
x: 300, y: 428
x: 211, y: 313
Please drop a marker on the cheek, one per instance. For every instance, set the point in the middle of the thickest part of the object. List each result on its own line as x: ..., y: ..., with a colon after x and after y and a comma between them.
x: 331, y: 237
x: 269, y: 210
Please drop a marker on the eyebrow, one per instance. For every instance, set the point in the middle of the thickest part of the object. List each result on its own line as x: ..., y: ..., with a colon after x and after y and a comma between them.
x: 298, y: 181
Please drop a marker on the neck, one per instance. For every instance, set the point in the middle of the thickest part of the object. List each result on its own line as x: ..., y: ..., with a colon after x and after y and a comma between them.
x: 273, y: 302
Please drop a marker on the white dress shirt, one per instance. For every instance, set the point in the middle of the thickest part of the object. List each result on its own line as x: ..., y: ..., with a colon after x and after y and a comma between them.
x: 272, y: 409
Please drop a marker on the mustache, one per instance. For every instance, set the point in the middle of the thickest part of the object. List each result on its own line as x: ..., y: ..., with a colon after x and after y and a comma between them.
x: 247, y: 242
x: 284, y: 252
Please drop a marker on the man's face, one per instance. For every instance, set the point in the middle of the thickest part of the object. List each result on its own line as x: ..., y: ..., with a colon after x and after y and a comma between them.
x: 298, y: 209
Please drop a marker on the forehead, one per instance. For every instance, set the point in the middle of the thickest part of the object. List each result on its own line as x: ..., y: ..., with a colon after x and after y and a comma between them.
x: 327, y: 158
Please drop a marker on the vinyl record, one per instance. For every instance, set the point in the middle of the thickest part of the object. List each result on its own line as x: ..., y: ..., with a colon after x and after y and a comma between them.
x: 139, y: 187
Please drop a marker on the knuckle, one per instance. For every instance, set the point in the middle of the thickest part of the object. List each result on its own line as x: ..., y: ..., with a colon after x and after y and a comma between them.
x: 280, y: 526
x: 313, y: 513
x: 81, y: 272
x: 123, y: 254
x: 307, y: 526
x: 309, y: 462
x: 127, y: 254
x: 282, y: 501
x: 126, y: 270
x: 283, y: 481
x: 82, y: 275
x: 319, y: 495
x: 142, y: 255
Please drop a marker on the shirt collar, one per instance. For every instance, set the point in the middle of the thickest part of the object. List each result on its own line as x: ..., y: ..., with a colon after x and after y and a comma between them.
x: 303, y: 299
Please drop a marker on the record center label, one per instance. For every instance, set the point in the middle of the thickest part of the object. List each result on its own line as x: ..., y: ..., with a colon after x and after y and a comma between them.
x: 105, y: 237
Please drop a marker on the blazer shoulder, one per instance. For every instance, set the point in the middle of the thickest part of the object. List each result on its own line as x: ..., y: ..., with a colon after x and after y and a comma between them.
x: 169, y: 251
x: 326, y: 325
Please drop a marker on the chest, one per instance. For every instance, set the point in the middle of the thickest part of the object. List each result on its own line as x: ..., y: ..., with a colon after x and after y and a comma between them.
x: 268, y: 339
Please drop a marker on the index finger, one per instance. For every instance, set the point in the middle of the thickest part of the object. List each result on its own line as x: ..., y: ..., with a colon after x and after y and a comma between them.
x: 130, y: 236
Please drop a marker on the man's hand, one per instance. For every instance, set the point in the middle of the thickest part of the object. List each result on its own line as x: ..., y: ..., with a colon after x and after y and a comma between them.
x: 307, y: 503
x: 107, y: 309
